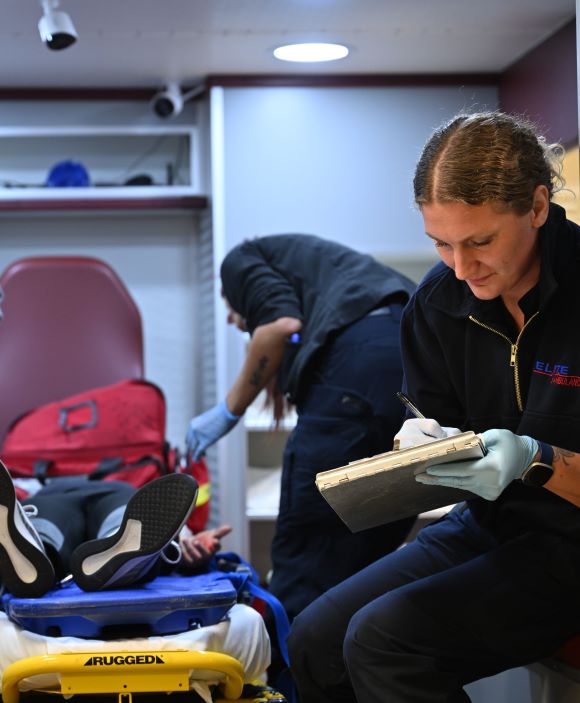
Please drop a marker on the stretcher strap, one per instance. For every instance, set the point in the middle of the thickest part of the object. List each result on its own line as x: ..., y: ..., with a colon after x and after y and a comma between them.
x: 280, y: 617
x: 245, y: 579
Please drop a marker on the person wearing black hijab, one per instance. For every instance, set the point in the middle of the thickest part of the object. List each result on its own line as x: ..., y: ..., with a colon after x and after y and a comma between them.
x: 324, y: 327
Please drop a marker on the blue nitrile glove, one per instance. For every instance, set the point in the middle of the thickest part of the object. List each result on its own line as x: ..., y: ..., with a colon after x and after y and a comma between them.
x: 508, y: 454
x: 205, y: 429
x: 421, y: 430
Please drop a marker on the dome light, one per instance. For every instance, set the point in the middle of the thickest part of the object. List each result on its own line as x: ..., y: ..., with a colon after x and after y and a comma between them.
x: 311, y: 52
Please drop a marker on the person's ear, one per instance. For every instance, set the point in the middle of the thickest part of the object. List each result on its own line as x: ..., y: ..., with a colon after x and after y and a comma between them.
x: 540, y: 206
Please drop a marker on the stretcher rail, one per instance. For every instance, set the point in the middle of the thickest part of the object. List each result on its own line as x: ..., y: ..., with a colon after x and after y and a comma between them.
x: 124, y: 673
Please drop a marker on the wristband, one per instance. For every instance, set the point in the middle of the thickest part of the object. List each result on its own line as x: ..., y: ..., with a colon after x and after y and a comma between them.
x: 541, y: 471
x: 546, y: 453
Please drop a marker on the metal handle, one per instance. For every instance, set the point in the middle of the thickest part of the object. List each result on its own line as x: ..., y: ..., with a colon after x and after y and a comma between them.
x: 64, y: 413
x: 123, y: 672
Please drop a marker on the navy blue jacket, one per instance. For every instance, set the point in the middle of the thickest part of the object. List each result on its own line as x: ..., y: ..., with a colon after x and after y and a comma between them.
x: 324, y: 284
x: 466, y: 367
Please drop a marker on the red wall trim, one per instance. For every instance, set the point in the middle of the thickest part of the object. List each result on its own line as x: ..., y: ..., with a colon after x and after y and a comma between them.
x: 351, y: 81
x: 57, y: 93
x: 193, y: 202
x: 257, y: 80
x: 77, y: 93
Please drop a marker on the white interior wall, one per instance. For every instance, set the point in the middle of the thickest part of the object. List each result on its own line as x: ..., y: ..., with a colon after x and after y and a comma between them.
x: 336, y: 162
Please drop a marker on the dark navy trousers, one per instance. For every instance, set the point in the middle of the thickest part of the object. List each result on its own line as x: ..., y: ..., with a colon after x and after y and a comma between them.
x: 74, y: 510
x: 453, y: 606
x: 348, y: 412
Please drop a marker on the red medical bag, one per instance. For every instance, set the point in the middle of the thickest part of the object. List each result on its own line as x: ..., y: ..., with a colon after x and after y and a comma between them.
x: 114, y: 433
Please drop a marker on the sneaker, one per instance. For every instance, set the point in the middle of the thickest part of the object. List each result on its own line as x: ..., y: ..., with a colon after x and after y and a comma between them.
x: 152, y: 518
x: 25, y: 569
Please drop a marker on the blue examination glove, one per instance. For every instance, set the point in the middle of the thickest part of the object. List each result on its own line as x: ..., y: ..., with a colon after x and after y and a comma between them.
x: 205, y: 429
x: 508, y: 454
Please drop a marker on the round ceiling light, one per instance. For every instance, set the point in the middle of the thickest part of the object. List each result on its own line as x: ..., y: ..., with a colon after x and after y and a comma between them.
x: 311, y: 52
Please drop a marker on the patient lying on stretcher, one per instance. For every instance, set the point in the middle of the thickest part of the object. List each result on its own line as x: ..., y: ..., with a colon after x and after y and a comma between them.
x: 106, y: 534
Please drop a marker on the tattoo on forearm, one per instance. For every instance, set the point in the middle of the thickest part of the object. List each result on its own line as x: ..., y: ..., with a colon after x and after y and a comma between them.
x: 257, y: 376
x: 562, y: 455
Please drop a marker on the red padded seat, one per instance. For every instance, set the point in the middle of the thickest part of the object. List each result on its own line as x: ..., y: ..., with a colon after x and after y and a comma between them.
x: 69, y: 325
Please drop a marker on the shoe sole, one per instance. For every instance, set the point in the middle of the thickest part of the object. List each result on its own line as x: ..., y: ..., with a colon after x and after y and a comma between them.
x: 152, y: 518
x: 26, y: 571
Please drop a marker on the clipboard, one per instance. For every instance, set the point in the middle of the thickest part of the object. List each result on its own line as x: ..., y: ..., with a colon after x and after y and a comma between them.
x: 382, y: 488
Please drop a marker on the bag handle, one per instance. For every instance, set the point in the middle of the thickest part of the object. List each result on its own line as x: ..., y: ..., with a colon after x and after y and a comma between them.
x: 40, y: 470
x: 112, y: 465
x: 63, y: 416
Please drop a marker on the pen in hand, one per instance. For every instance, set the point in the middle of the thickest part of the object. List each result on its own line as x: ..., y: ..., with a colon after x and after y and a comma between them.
x: 413, y: 409
x: 431, y: 428
x: 409, y: 405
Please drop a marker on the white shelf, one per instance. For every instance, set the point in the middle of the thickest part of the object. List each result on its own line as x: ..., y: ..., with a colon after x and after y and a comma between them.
x: 95, y: 193
x: 262, y: 514
x: 265, y: 451
x: 267, y: 423
x: 263, y: 493
x: 168, y: 155
x: 256, y: 418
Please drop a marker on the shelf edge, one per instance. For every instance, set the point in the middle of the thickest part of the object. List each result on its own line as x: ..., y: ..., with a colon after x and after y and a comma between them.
x: 195, y: 202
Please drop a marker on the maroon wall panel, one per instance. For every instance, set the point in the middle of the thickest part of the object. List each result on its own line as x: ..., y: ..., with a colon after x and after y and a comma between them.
x: 543, y: 86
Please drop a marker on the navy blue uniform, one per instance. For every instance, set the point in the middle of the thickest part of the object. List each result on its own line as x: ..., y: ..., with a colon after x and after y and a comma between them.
x: 493, y: 585
x: 342, y: 376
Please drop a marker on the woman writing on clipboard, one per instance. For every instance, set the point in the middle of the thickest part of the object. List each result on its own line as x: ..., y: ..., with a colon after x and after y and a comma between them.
x: 491, y: 343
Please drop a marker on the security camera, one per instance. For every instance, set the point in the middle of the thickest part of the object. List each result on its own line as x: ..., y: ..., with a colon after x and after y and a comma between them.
x: 55, y: 27
x: 168, y: 102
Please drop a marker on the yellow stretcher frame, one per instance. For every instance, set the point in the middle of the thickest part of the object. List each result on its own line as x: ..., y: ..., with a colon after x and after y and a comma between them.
x: 124, y: 673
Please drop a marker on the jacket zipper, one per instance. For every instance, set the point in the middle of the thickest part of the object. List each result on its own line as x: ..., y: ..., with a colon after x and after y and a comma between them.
x: 513, y: 353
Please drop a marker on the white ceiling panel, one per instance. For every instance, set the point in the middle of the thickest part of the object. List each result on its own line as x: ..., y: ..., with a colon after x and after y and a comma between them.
x: 142, y: 43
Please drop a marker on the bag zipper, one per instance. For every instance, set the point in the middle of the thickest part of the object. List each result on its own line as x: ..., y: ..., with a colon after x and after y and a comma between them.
x: 513, y: 353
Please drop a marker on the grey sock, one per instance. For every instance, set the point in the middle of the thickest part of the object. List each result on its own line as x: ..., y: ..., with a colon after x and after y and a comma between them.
x: 111, y: 523
x: 48, y: 532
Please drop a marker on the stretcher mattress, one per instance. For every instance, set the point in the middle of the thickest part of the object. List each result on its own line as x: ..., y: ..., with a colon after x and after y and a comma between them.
x: 165, y: 605
x: 241, y: 634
